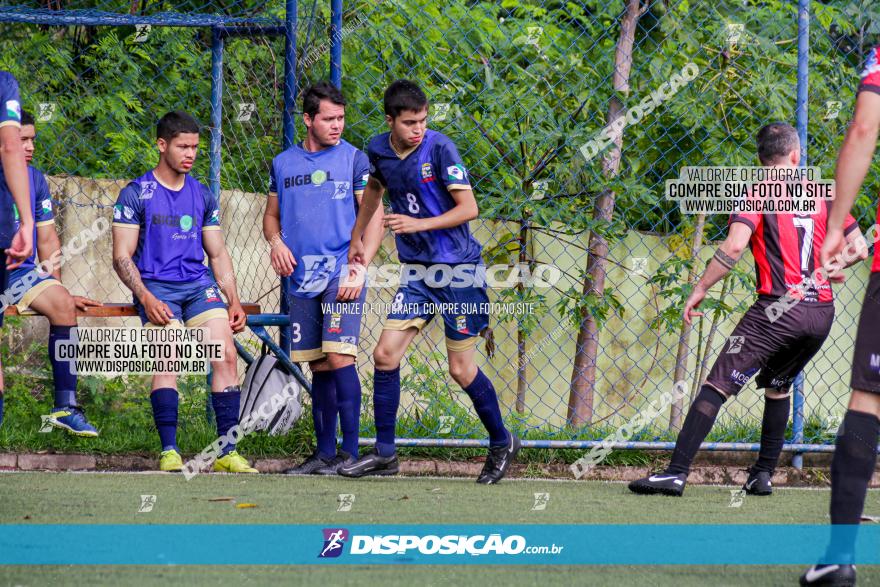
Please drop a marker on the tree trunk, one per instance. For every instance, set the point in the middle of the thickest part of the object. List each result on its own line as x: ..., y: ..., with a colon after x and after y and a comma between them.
x: 684, y: 346
x: 583, y: 377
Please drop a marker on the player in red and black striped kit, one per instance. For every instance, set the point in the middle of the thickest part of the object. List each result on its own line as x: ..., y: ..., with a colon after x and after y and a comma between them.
x: 776, y: 337
x: 855, y: 451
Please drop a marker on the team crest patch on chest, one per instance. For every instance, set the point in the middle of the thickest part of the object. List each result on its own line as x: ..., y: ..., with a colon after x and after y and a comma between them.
x: 340, y: 189
x: 148, y: 188
x: 427, y: 173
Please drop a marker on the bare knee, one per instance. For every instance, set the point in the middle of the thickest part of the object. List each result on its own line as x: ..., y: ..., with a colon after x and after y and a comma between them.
x: 385, y: 359
x: 463, y: 372
x: 62, y: 311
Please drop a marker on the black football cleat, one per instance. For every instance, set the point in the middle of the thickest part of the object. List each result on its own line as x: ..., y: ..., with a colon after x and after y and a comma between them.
x: 498, y: 461
x: 332, y: 468
x: 758, y: 483
x: 310, y: 466
x: 837, y: 575
x: 660, y: 484
x: 371, y: 463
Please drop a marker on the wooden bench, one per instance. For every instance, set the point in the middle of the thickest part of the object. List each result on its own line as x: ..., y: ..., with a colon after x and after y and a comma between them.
x: 117, y: 310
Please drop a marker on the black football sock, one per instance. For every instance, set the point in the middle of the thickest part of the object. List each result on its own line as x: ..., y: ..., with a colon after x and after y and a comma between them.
x: 772, y: 433
x: 855, y: 455
x: 697, y: 425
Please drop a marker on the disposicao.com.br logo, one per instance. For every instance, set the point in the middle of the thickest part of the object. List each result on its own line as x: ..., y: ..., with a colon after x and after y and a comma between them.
x: 454, y: 544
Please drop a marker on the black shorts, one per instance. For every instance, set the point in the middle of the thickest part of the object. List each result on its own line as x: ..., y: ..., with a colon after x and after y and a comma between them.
x: 776, y: 351
x: 866, y: 355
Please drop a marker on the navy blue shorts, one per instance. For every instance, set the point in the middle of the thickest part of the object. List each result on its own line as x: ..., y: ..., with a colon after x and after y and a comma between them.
x: 193, y: 304
x: 321, y: 325
x: 464, y: 308
x: 26, y: 284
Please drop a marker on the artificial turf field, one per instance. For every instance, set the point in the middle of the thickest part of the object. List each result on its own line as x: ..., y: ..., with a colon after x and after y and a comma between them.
x: 114, y: 498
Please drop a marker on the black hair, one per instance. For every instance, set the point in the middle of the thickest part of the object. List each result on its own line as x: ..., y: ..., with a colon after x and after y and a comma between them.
x: 27, y: 118
x: 175, y: 123
x: 404, y: 95
x: 321, y: 91
x: 776, y: 140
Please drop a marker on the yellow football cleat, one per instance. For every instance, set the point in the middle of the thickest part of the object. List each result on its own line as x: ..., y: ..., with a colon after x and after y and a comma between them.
x: 170, y: 460
x: 233, y: 463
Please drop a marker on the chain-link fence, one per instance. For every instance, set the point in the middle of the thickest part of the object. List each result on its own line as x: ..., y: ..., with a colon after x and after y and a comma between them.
x: 530, y: 92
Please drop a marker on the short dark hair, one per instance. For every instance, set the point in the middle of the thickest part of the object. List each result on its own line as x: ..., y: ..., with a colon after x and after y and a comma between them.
x: 27, y: 118
x: 776, y: 140
x: 404, y: 95
x: 321, y: 91
x: 175, y: 123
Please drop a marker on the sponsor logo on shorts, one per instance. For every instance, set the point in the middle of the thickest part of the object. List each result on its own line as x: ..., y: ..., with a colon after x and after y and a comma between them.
x: 735, y: 344
x: 211, y: 295
x: 742, y: 378
x: 461, y: 324
x: 335, y: 323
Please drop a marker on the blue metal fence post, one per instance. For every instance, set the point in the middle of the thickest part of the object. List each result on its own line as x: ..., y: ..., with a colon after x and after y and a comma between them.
x: 336, y: 43
x: 290, y: 23
x: 803, y: 94
x: 215, y: 150
x: 797, y: 425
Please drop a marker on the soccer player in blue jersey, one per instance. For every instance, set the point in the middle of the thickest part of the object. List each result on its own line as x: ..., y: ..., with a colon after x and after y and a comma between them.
x: 432, y: 202
x: 15, y: 246
x: 314, y: 192
x: 163, y: 224
x: 44, y: 294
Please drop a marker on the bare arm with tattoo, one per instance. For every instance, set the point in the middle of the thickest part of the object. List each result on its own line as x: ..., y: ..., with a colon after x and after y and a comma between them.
x: 125, y: 241
x: 727, y: 255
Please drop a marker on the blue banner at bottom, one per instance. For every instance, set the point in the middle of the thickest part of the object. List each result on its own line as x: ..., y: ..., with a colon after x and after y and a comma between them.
x: 437, y: 544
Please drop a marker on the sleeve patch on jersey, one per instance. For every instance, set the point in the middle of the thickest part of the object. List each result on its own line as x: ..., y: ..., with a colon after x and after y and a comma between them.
x: 871, y: 73
x: 456, y: 172
x: 46, y: 205
x: 117, y: 212
x: 13, y: 110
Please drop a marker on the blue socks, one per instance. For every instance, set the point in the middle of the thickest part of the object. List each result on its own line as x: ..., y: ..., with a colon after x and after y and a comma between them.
x: 324, y: 412
x: 386, y: 399
x: 226, y: 406
x: 64, y: 380
x: 348, y: 394
x: 485, y: 401
x: 164, y: 400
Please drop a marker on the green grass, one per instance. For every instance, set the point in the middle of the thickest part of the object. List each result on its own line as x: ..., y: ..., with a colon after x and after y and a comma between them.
x: 45, y: 498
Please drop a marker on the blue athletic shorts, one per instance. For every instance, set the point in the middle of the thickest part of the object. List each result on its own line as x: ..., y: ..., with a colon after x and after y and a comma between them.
x: 193, y: 304
x: 321, y: 325
x: 464, y: 310
x: 26, y: 284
